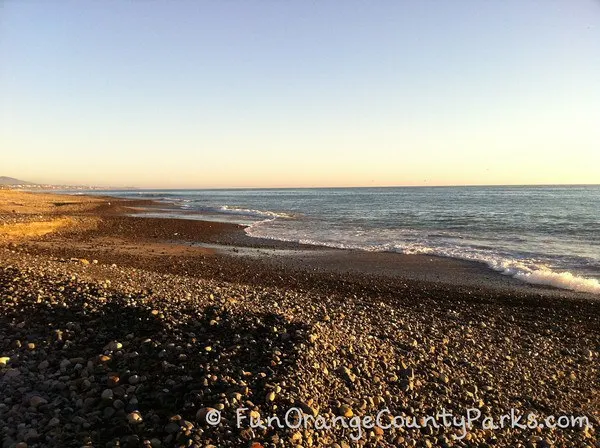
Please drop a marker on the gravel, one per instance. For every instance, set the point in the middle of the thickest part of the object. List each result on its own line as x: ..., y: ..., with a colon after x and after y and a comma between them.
x: 102, y: 355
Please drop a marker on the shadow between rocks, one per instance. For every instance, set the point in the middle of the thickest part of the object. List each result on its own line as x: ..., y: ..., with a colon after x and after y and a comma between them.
x: 114, y: 369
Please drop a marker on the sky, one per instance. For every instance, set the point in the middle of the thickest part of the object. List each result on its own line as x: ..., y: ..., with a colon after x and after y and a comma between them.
x: 295, y: 93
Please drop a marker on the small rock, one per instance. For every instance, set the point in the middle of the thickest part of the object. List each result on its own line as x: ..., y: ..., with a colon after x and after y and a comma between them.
x: 347, y: 374
x: 113, y: 346
x: 64, y: 364
x: 134, y: 418
x: 308, y: 408
x: 53, y: 422
x: 171, y: 427
x: 201, y: 414
x: 31, y: 435
x: 346, y: 411
x: 12, y: 373
x: 107, y: 394
x: 113, y: 380
x: 36, y: 401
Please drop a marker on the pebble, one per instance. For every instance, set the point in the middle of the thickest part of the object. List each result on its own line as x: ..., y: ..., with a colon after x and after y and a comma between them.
x: 43, y: 365
x: 36, y: 401
x: 346, y: 411
x: 107, y: 394
x: 54, y: 421
x: 134, y: 418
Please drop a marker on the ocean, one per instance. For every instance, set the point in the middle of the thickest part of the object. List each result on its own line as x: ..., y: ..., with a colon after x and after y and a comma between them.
x: 540, y: 234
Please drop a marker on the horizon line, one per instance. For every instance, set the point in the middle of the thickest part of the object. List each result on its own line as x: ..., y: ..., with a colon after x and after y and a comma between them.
x: 115, y: 188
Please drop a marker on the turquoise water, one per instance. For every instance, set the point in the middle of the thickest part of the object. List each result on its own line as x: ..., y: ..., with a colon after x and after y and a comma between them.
x: 542, y: 234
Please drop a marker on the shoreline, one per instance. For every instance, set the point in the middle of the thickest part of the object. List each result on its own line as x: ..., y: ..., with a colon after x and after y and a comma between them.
x: 540, y: 280
x: 230, y: 240
x: 410, y: 266
x: 125, y: 331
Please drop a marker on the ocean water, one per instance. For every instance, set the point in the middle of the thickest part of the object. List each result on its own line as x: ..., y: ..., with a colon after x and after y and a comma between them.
x: 540, y: 234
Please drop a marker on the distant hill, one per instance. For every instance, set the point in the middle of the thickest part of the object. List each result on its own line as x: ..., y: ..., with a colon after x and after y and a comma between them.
x: 12, y: 181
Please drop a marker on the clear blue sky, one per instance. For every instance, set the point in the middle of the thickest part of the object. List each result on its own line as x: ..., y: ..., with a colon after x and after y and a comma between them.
x: 300, y: 93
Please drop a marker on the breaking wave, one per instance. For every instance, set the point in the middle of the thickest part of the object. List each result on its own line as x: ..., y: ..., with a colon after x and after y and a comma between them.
x: 527, y: 270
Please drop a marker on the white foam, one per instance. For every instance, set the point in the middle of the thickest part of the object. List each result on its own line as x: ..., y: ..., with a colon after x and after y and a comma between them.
x: 563, y: 280
x: 527, y: 270
x: 251, y: 212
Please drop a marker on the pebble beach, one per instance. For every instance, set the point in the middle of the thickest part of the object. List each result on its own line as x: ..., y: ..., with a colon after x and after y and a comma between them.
x: 117, y: 330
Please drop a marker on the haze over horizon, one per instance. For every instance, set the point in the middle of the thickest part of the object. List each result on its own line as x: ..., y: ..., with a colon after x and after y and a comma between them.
x: 296, y: 94
x: 104, y: 186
